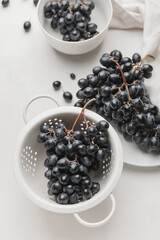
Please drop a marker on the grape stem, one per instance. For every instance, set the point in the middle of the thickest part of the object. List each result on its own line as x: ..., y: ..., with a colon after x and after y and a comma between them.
x: 70, y: 10
x: 50, y: 131
x: 147, y: 56
x: 82, y: 114
x: 124, y: 80
x: 83, y: 3
x: 75, y: 160
x: 119, y: 89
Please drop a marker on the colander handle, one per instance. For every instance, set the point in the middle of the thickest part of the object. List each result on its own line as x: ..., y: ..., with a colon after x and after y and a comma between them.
x: 98, y: 224
x: 25, y: 111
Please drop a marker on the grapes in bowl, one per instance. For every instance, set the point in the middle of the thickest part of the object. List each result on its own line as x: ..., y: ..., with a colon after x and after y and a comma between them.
x: 72, y: 19
x: 30, y: 165
x: 74, y: 29
x: 72, y: 155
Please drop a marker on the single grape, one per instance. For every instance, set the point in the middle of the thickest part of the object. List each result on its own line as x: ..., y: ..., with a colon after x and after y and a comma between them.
x: 63, y: 163
x: 87, y: 194
x: 48, y: 174
x: 5, y: 3
x: 56, y: 84
x: 73, y: 76
x: 95, y: 188
x: 62, y: 198
x: 64, y: 178
x: 136, y: 58
x: 69, y: 189
x: 67, y: 96
x: 73, y: 198
x: 102, y: 126
x: 76, y: 179
x: 86, y: 161
x: 27, y: 26
x: 42, y: 137
x: 74, y: 167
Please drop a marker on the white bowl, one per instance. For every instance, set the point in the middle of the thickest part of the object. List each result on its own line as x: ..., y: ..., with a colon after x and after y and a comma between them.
x: 101, y: 15
x: 29, y: 163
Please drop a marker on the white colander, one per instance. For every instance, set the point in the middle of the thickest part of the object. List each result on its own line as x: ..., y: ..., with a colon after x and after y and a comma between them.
x: 29, y: 159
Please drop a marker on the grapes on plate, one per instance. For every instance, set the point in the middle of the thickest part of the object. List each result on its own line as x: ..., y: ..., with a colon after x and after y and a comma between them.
x: 118, y: 87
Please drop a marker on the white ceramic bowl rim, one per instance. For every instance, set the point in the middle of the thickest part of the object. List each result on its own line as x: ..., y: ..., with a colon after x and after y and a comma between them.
x: 80, y: 42
x: 99, y: 197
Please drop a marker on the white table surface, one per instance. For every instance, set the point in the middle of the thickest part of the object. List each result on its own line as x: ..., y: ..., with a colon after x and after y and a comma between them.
x: 28, y: 66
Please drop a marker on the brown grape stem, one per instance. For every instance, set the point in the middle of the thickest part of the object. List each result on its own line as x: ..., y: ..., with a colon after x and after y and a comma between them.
x: 124, y: 80
x: 82, y: 114
x: 119, y: 89
x: 147, y: 56
x: 70, y: 10
x: 83, y: 3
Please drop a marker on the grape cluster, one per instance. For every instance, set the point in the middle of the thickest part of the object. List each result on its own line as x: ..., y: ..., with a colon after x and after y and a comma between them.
x: 122, y: 98
x: 72, y: 19
x: 72, y: 154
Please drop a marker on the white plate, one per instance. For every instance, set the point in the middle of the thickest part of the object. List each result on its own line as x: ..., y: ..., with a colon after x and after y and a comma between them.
x: 134, y: 156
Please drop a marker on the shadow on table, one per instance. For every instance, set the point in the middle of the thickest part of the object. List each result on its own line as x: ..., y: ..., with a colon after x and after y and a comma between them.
x: 80, y: 58
x: 141, y: 169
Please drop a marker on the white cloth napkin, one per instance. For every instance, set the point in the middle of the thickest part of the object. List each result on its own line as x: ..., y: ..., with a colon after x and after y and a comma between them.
x: 145, y: 15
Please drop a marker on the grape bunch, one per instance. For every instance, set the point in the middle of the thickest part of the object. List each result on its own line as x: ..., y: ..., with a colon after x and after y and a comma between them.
x: 72, y: 19
x: 118, y: 87
x: 72, y: 155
